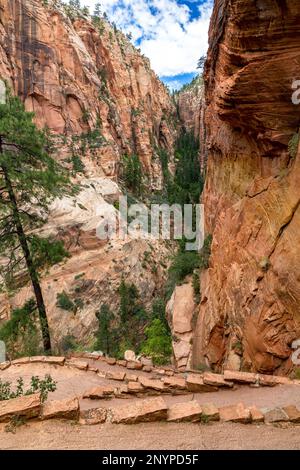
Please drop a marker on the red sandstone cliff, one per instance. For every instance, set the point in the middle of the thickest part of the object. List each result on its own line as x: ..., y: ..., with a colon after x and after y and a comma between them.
x: 77, y: 77
x: 250, y: 308
x: 73, y: 75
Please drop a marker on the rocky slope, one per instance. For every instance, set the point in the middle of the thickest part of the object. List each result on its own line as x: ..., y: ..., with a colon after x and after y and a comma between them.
x: 97, y: 94
x: 250, y: 312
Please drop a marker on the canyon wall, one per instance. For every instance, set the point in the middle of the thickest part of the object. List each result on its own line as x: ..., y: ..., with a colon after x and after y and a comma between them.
x: 75, y: 75
x: 250, y: 307
x: 87, y: 80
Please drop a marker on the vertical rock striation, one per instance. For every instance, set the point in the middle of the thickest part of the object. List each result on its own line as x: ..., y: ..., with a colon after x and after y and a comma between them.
x: 250, y: 308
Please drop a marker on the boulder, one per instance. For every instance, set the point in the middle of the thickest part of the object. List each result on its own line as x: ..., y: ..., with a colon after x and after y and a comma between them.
x: 241, y: 377
x: 293, y: 413
x: 188, y: 411
x: 133, y: 365
x: 147, y: 368
x: 146, y: 361
x: 196, y: 384
x: 216, y: 380
x: 99, y: 393
x: 129, y: 356
x: 154, y: 409
x: 61, y: 409
x: 26, y: 406
x: 275, y: 415
x: 4, y: 365
x: 236, y: 413
x: 210, y: 412
x: 92, y: 416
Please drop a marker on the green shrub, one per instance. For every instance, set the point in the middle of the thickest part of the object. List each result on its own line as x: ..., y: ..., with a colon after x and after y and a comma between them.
x: 20, y: 333
x: 205, y: 252
x: 78, y: 166
x: 65, y: 303
x: 132, y: 173
x: 158, y: 343
x: 293, y: 145
x: 37, y: 385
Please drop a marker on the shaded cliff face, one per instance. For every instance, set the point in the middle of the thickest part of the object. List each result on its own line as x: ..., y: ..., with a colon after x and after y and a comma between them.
x: 191, y: 110
x: 75, y: 76
x: 250, y: 308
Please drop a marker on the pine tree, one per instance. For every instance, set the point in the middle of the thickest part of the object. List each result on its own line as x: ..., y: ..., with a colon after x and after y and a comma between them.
x: 75, y: 4
x: 97, y: 11
x: 29, y: 179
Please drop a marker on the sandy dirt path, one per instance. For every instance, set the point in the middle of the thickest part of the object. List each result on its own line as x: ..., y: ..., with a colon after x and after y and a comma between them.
x: 154, y: 436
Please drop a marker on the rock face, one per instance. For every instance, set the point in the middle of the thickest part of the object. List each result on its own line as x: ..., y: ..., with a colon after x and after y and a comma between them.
x: 98, y: 96
x: 191, y: 108
x: 180, y: 310
x: 251, y: 291
x: 73, y: 74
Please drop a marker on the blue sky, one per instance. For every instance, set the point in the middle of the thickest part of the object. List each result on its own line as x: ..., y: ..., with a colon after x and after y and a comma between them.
x: 172, y: 33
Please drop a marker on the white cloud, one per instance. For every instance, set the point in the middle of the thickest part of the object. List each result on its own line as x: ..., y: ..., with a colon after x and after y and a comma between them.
x: 164, y: 30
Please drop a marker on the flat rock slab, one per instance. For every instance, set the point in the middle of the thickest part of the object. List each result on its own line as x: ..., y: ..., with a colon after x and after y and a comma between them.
x: 27, y: 407
x: 59, y: 361
x: 111, y: 361
x: 152, y: 384
x: 131, y: 378
x: 188, y: 411
x: 61, y: 409
x: 93, y: 416
x: 267, y: 380
x: 256, y: 415
x: 78, y: 364
x: 210, y: 412
x: 177, y: 383
x: 132, y: 365
x: 216, y: 380
x: 277, y: 415
x: 241, y: 377
x: 99, y: 392
x: 135, y: 387
x: 196, y: 384
x: 293, y: 413
x: 4, y: 365
x: 122, y: 363
x: 236, y: 414
x: 115, y: 375
x: 154, y: 409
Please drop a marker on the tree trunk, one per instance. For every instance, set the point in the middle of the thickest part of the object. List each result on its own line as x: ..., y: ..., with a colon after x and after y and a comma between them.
x: 30, y: 265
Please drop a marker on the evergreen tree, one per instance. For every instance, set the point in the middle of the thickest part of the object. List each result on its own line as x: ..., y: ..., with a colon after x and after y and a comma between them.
x: 29, y: 178
x: 97, y: 11
x: 75, y: 4
x: 104, y: 335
